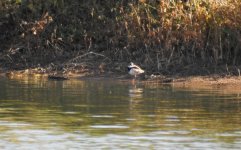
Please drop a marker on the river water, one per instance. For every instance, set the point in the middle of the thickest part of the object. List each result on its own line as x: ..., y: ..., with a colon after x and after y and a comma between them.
x: 38, y: 113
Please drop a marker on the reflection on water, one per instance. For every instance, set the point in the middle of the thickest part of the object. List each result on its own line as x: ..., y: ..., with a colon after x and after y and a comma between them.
x: 135, y: 92
x: 39, y: 114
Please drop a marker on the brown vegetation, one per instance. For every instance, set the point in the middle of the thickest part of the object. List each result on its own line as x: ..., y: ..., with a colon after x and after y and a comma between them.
x: 168, y: 37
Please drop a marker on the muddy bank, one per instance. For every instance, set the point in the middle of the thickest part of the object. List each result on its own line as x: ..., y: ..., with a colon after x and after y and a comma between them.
x: 178, y: 81
x: 225, y: 83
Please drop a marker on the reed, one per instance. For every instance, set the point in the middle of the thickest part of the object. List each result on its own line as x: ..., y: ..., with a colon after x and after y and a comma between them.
x: 184, y: 33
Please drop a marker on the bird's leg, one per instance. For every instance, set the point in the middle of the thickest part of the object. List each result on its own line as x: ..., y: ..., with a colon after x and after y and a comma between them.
x: 133, y: 81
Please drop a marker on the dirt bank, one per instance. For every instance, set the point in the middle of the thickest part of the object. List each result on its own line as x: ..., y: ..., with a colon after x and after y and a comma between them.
x: 227, y: 84
x: 186, y: 81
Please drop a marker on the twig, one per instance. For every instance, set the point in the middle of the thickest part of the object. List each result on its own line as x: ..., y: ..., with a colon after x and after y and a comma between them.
x: 10, y: 58
x: 238, y: 72
x: 158, y: 62
x: 227, y: 69
x: 81, y: 56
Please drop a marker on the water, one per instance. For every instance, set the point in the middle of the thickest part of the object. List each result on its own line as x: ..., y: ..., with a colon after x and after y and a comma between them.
x: 39, y: 114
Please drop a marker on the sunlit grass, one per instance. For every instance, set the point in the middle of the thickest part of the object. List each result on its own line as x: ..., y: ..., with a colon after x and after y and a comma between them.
x: 159, y: 34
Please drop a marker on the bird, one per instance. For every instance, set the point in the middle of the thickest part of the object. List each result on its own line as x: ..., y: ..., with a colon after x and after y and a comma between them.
x: 134, y: 70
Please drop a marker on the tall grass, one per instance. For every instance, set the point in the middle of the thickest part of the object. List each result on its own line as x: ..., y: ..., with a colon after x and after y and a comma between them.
x: 160, y: 35
x: 171, y: 33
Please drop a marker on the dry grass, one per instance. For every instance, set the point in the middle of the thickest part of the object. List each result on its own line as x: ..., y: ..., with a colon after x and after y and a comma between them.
x: 174, y: 33
x: 163, y: 36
